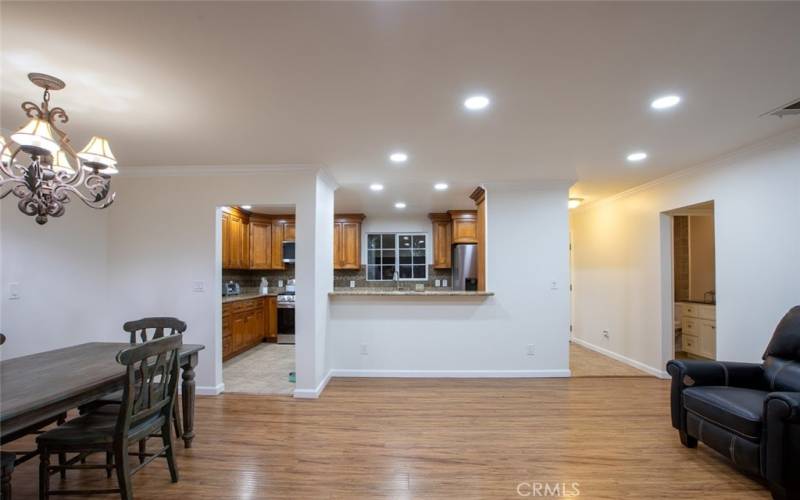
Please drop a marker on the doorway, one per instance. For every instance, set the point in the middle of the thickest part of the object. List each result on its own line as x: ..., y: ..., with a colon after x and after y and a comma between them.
x: 257, y: 246
x: 694, y: 291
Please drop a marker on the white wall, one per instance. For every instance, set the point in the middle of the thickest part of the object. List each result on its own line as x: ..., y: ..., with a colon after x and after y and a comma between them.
x: 61, y: 269
x: 527, y: 235
x: 164, y: 234
x: 619, y: 252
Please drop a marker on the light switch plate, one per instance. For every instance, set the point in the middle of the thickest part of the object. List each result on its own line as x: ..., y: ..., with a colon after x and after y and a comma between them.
x: 13, y: 291
x: 198, y: 286
x: 352, y: 283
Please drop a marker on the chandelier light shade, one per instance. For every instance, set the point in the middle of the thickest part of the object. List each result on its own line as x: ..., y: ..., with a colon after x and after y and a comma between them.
x: 61, y: 163
x: 44, y: 171
x: 36, y: 134
x: 98, y: 152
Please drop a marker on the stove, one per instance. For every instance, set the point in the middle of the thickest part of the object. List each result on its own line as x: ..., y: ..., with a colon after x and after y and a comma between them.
x: 286, y: 300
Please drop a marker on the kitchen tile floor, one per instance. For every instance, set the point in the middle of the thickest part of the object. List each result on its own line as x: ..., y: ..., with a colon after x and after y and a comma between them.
x: 263, y: 369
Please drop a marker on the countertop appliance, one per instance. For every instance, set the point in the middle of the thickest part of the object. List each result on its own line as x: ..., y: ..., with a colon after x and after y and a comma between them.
x: 231, y: 288
x: 288, y: 252
x: 465, y: 267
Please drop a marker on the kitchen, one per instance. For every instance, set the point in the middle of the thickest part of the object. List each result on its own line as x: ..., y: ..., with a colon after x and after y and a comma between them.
x: 258, y: 286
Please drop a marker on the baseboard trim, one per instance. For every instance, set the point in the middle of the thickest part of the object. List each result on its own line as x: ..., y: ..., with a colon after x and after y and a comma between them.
x: 316, y: 392
x: 210, y: 390
x: 451, y: 373
x: 623, y: 359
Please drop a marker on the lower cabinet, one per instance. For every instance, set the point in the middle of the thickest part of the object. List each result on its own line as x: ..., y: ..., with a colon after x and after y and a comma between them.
x: 699, y: 329
x: 247, y: 323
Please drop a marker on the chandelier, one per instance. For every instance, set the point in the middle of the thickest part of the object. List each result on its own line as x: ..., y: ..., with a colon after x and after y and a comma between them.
x: 37, y: 166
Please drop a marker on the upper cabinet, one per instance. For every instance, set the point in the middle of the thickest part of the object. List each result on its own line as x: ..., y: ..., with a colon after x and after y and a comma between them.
x: 260, y: 243
x: 464, y: 225
x: 254, y: 241
x: 235, y: 239
x: 347, y: 241
x: 442, y: 240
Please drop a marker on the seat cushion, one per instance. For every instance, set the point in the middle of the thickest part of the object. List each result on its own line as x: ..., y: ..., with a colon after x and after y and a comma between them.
x: 734, y: 408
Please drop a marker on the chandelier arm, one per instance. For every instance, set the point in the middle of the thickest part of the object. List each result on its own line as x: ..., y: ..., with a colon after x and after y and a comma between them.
x: 8, y: 170
x: 32, y: 110
x: 98, y: 202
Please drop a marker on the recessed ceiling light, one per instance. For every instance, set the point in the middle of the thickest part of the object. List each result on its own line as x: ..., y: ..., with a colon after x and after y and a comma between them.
x: 476, y: 102
x: 665, y: 102
x: 574, y: 202
x: 440, y: 186
x: 247, y: 207
x: 398, y: 157
x: 376, y: 187
x: 400, y: 205
x: 637, y: 156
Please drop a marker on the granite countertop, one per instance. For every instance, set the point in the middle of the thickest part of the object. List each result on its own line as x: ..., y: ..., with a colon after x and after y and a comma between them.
x: 246, y: 296
x: 372, y: 292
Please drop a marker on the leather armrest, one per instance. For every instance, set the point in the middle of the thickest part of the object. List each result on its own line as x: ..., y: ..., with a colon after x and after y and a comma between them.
x: 689, y: 373
x: 784, y: 405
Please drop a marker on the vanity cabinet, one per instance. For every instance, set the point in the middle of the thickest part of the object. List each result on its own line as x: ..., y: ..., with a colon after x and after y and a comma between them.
x: 699, y: 329
x: 347, y: 241
x: 442, y: 232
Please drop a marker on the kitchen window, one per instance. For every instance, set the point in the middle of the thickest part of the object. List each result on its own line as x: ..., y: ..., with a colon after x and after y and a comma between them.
x: 401, y: 253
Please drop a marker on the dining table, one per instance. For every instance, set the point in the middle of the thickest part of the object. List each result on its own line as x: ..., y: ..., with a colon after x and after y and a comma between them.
x: 44, y: 385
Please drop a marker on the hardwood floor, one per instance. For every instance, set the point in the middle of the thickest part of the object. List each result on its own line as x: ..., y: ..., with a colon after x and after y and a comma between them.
x: 584, y: 362
x: 428, y: 439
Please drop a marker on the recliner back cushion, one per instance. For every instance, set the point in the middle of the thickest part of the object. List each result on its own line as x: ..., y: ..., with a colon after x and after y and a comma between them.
x: 782, y: 374
x: 782, y: 357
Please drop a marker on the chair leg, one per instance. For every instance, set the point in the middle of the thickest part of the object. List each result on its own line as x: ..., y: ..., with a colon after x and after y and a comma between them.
x: 5, y: 485
x: 123, y: 470
x: 44, y: 475
x: 109, y: 463
x: 166, y: 436
x: 62, y: 460
x: 176, y: 418
x: 142, y: 450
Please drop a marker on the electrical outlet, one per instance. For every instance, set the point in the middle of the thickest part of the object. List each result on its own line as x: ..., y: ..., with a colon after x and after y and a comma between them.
x: 352, y: 283
x: 198, y: 286
x: 606, y: 334
x: 530, y: 351
x: 364, y: 349
x: 437, y: 283
x: 280, y: 283
x: 553, y: 285
x: 444, y: 283
x: 13, y: 291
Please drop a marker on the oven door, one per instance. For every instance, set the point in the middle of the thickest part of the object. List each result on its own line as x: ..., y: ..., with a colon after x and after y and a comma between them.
x: 286, y: 319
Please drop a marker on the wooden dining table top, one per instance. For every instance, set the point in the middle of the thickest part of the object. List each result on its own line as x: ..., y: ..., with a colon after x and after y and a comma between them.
x: 44, y: 383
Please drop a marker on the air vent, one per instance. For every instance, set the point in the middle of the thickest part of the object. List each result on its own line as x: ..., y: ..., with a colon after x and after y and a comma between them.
x: 793, y: 108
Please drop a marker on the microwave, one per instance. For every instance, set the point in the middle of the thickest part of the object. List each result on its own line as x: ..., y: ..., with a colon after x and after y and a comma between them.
x: 288, y: 251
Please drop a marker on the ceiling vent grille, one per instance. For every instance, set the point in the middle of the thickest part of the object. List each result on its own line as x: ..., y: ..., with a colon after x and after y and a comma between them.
x: 793, y: 108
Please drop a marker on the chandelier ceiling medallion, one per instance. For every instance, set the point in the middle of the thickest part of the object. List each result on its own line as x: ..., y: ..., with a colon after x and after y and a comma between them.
x: 37, y: 166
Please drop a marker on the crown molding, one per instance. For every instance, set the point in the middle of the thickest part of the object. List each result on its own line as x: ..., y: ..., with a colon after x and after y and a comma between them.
x: 209, y: 170
x: 724, y: 160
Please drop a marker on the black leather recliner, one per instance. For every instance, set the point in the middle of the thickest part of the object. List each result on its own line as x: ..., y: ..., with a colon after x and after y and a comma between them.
x: 748, y: 412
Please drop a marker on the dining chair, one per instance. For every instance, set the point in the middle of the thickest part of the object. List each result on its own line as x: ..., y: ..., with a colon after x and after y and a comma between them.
x: 146, y: 406
x: 7, y: 463
x: 142, y: 330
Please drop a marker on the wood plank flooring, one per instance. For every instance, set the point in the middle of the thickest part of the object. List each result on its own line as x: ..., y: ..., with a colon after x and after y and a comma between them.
x: 584, y: 362
x: 429, y: 439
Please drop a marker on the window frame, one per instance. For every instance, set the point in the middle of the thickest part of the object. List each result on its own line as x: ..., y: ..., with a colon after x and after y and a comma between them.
x: 397, y: 265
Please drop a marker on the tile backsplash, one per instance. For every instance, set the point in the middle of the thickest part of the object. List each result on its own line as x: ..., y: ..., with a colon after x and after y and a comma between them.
x: 342, y: 279
x: 251, y: 278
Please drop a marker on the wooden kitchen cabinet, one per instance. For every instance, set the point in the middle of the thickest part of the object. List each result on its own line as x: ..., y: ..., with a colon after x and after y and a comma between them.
x: 347, y: 241
x: 464, y: 225
x: 246, y: 323
x: 260, y: 243
x: 288, y: 231
x: 235, y: 239
x: 442, y: 240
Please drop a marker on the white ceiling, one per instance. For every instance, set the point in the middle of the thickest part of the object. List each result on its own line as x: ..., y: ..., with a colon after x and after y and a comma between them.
x: 343, y: 84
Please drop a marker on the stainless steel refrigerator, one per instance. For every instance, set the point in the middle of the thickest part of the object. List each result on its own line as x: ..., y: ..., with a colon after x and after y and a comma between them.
x: 465, y: 266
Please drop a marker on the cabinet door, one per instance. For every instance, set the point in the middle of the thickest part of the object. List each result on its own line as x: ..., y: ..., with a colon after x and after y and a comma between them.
x: 277, y: 246
x: 226, y: 241
x: 465, y: 231
x: 271, y: 319
x: 337, y: 245
x: 238, y: 331
x: 690, y: 344
x: 227, y: 346
x: 708, y: 339
x: 235, y: 241
x: 260, y: 245
x: 350, y: 246
x: 288, y: 231
x: 442, y: 251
